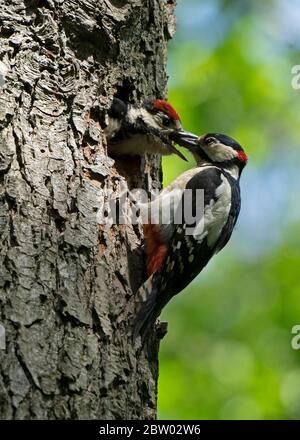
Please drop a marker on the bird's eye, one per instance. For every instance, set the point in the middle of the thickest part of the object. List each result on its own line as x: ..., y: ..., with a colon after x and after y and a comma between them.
x: 166, y: 121
x: 209, y: 140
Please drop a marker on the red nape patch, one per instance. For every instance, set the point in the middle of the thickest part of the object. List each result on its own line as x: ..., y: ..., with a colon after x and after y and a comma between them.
x: 165, y: 107
x: 242, y: 156
x: 156, y: 251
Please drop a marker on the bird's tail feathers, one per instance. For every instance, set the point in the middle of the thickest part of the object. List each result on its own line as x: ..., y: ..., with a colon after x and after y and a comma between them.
x: 148, y: 309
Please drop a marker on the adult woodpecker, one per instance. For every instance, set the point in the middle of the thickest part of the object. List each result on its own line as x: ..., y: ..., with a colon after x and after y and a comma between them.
x: 173, y: 257
x: 144, y: 128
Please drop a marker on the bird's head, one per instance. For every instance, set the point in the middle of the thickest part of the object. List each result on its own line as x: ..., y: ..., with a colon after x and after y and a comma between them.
x: 155, y: 120
x: 161, y: 115
x: 159, y: 119
x: 216, y: 149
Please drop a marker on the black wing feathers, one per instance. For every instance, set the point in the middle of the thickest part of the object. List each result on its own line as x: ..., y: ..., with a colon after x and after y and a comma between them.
x: 187, y: 255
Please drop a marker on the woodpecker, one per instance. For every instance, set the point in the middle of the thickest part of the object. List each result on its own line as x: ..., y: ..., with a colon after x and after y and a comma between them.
x: 144, y: 128
x: 175, y: 258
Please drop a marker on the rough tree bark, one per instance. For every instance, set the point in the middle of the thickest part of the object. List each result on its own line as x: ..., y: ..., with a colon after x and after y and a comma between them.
x: 64, y: 280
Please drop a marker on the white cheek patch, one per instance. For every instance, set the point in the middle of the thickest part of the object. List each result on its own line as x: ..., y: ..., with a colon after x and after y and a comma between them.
x: 150, y: 120
x: 220, y: 152
x: 142, y: 113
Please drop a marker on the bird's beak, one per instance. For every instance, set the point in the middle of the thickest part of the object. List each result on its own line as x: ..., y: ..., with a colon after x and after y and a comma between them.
x: 178, y: 153
x: 186, y: 139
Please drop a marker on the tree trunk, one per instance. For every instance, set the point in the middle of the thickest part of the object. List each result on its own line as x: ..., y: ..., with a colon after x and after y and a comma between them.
x: 65, y: 279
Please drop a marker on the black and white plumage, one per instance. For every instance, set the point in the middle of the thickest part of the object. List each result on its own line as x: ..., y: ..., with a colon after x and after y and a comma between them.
x: 145, y: 128
x: 175, y: 258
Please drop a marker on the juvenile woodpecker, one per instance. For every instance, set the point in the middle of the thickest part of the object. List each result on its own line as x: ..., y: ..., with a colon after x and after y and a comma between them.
x: 145, y: 128
x: 174, y: 258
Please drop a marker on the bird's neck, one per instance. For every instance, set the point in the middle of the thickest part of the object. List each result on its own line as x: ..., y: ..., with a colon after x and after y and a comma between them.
x: 231, y: 169
x: 201, y: 162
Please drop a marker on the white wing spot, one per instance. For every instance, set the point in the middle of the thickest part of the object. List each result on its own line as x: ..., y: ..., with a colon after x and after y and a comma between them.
x: 170, y: 266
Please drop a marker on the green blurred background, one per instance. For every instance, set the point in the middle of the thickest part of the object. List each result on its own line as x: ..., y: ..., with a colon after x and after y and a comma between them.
x: 228, y: 352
